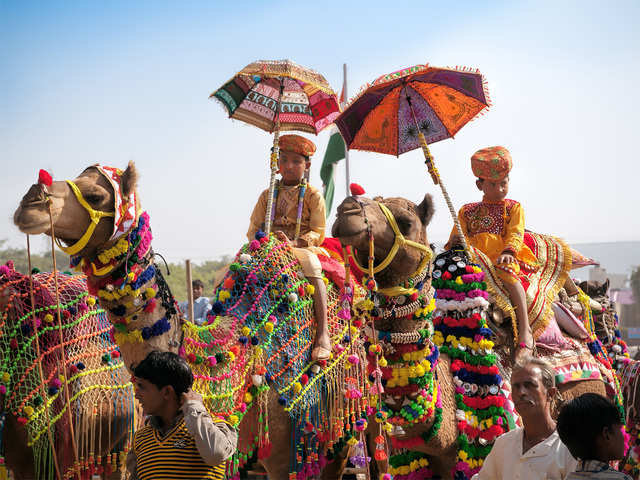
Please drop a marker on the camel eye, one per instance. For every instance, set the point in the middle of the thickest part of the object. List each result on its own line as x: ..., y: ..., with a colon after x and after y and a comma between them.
x: 93, y: 198
x: 404, y: 224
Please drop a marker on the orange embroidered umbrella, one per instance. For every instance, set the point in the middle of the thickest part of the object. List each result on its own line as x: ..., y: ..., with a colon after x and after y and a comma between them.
x: 411, y: 108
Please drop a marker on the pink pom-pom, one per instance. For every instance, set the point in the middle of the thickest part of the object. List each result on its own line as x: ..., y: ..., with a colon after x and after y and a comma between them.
x: 55, y: 383
x: 243, y: 407
x: 45, y: 178
x: 212, y: 360
x: 4, y: 270
x: 254, y: 245
x: 3, y: 389
x: 353, y: 359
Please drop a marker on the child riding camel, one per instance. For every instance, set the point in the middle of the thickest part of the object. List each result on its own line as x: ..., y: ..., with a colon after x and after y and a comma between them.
x: 495, y: 226
x: 298, y: 217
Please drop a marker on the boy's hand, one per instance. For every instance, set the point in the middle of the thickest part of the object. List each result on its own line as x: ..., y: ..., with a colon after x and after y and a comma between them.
x: 191, y: 395
x: 506, y: 258
x: 280, y: 235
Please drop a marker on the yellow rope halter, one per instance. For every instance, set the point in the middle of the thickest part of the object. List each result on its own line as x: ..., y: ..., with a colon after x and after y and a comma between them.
x: 399, y: 241
x: 94, y: 215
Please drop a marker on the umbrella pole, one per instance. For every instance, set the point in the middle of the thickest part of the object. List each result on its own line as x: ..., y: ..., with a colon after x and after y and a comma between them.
x: 435, y: 176
x: 275, y: 154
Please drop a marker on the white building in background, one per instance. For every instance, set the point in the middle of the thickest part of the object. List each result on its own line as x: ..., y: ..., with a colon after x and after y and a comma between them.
x: 617, y: 281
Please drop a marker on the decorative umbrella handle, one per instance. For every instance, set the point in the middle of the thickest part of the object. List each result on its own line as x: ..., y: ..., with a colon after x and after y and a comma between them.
x: 428, y: 160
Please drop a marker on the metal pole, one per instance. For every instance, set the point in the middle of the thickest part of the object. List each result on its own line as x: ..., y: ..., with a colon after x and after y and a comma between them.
x: 346, y: 150
x: 189, y: 291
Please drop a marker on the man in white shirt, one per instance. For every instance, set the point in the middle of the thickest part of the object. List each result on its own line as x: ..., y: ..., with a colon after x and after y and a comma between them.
x: 534, y: 452
x: 201, y: 304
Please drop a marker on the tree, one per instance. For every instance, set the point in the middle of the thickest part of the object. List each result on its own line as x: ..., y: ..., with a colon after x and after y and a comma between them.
x: 41, y: 261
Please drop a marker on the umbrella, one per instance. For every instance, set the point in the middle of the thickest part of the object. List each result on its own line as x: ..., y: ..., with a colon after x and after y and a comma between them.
x: 411, y: 108
x: 279, y: 96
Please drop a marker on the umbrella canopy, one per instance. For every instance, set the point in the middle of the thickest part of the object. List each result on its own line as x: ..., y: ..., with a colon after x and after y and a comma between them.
x: 302, y: 96
x: 388, y: 114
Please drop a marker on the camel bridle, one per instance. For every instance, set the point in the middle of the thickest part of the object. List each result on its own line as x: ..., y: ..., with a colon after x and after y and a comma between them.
x: 399, y: 241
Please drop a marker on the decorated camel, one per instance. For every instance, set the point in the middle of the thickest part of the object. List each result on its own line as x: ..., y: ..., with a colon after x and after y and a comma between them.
x: 43, y: 434
x: 358, y: 220
x: 251, y: 359
x: 257, y: 337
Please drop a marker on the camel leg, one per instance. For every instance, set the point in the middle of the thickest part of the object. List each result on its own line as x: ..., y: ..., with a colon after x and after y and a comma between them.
x: 277, y: 464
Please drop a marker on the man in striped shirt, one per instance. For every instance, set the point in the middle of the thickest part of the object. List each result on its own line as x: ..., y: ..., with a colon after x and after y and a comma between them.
x: 180, y: 439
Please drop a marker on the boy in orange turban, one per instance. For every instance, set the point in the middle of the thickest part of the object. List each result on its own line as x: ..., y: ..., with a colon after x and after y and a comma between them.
x: 495, y: 226
x: 298, y: 217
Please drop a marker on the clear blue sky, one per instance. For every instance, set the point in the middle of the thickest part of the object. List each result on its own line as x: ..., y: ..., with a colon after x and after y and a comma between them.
x: 108, y: 82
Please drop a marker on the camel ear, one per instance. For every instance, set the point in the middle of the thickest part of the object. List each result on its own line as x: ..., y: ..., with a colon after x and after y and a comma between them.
x: 129, y: 180
x: 605, y: 287
x: 426, y: 209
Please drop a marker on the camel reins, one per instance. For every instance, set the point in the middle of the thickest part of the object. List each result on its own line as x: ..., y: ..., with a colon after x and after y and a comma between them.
x: 399, y: 241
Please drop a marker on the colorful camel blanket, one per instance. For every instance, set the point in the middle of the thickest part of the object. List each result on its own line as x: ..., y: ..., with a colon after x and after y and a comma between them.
x: 555, y: 257
x: 259, y: 336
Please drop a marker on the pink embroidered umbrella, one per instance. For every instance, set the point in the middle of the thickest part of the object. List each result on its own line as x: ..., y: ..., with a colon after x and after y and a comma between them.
x: 279, y: 96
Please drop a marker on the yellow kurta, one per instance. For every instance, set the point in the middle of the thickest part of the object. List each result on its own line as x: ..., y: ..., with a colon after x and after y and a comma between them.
x: 496, y: 228
x: 312, y: 223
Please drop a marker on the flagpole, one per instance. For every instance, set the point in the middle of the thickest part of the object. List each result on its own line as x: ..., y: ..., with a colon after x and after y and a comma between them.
x: 346, y: 150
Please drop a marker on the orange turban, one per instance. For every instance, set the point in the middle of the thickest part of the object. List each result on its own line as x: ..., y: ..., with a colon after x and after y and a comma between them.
x: 491, y: 163
x: 297, y: 144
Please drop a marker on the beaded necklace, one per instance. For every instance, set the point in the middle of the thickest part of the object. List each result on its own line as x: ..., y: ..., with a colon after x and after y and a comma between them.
x: 302, y: 188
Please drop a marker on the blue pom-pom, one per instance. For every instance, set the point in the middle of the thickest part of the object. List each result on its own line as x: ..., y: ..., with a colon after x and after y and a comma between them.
x: 346, y: 339
x: 282, y: 401
x: 26, y: 329
x: 217, y: 307
x: 260, y: 234
x: 255, y: 340
x: 53, y: 390
x: 243, y: 340
x: 267, y: 377
x: 284, y: 277
x: 80, y: 366
x: 119, y: 311
x: 72, y: 310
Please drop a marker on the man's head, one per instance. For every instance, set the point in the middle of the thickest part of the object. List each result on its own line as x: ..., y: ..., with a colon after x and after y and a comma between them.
x: 160, y: 380
x: 295, y: 157
x: 197, y: 287
x: 590, y: 427
x: 533, y: 387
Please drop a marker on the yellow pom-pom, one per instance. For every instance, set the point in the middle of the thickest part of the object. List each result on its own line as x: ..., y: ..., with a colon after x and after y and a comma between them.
x: 297, y: 387
x: 224, y: 295
x: 91, y: 301
x: 419, y: 371
x: 310, y: 289
x: 61, y: 377
x: 149, y: 293
x: 28, y: 410
x: 231, y: 356
x: 354, y: 331
x: 382, y: 362
x: 325, y: 280
x: 268, y: 327
x: 352, y: 441
x: 48, y: 318
x: 131, y: 276
x: 233, y: 420
x: 6, y: 377
x: 248, y: 397
x: 246, y: 331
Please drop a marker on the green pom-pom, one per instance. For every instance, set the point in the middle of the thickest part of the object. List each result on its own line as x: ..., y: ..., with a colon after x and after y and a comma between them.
x: 234, y: 267
x: 35, y: 270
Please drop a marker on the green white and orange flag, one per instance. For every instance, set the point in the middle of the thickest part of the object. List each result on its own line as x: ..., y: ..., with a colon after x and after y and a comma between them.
x: 336, y: 151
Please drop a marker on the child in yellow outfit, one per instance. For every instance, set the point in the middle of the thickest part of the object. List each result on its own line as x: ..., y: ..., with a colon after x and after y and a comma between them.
x: 495, y: 226
x: 298, y: 217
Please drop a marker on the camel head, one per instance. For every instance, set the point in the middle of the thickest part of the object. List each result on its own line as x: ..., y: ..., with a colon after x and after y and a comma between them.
x: 72, y: 219
x: 356, y: 214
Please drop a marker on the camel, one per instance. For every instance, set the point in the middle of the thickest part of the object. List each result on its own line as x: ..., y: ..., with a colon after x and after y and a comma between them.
x: 103, y: 412
x: 355, y: 216
x: 146, y: 317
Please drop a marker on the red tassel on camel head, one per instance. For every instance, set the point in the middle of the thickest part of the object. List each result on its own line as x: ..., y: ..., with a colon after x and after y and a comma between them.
x: 356, y: 189
x: 45, y: 178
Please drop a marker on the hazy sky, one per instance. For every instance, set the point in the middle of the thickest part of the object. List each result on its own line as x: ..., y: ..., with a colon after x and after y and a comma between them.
x: 109, y: 82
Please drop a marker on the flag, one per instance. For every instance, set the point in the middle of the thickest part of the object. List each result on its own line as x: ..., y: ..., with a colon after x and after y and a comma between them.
x: 334, y: 153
